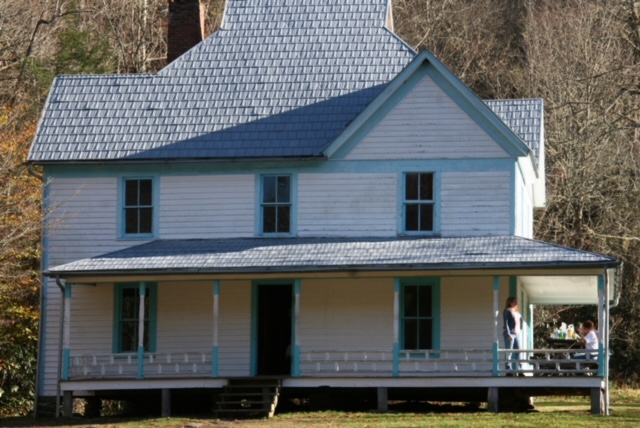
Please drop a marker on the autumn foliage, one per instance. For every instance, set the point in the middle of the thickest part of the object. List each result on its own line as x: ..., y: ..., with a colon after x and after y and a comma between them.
x: 20, y: 220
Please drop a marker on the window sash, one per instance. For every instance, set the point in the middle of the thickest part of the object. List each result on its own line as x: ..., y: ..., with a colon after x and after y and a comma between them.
x: 138, y: 206
x: 276, y: 204
x: 127, y: 318
x: 418, y: 318
x: 419, y: 202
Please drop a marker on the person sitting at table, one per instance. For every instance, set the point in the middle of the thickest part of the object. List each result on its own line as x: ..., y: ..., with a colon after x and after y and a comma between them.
x: 511, y: 332
x: 589, y: 341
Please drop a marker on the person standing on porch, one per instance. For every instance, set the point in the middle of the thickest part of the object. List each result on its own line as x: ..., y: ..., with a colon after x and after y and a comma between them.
x: 512, y: 327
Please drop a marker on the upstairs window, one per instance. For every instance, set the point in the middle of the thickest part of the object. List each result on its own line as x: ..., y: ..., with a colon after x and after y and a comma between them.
x: 419, y: 203
x: 276, y: 204
x: 138, y: 207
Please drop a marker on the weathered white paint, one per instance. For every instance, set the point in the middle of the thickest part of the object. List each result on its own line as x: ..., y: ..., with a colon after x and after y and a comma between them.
x: 344, y: 314
x: 475, y: 203
x: 207, y: 206
x: 356, y: 204
x: 523, y: 206
x: 427, y: 124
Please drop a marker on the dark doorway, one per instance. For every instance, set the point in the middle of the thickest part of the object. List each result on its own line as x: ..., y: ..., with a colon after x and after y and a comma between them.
x: 274, y: 329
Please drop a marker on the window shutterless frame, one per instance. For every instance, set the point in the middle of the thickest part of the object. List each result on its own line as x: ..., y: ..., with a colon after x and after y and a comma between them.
x: 125, y: 317
x: 276, y: 205
x: 138, y: 207
x: 420, y: 314
x: 419, y: 203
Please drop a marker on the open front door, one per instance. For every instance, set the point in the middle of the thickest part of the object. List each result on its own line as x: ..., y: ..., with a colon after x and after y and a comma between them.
x: 273, y: 330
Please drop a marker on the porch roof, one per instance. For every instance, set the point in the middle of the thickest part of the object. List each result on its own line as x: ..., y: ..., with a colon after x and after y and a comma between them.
x: 290, y: 255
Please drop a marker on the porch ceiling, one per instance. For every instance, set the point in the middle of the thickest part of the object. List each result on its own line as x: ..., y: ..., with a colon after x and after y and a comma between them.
x: 294, y: 255
x: 561, y: 290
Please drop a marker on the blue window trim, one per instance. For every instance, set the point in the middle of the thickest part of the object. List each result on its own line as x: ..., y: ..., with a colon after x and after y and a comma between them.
x: 155, y: 194
x: 437, y: 204
x: 434, y: 283
x: 117, y: 314
x: 293, y: 188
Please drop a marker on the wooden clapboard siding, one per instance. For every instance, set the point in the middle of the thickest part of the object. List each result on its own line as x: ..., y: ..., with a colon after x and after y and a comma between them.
x: 207, y: 206
x: 475, y: 203
x: 356, y: 204
x: 466, y: 319
x: 185, y: 317
x: 427, y: 124
x: 346, y: 314
x: 83, y: 221
x: 51, y: 323
x: 235, y: 328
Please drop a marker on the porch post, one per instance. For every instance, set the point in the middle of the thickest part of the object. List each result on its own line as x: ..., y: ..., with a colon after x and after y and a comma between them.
x: 295, y: 354
x: 66, y: 335
x: 496, y: 317
x: 142, y: 287
x: 396, y: 328
x: 602, y: 324
x: 216, y: 319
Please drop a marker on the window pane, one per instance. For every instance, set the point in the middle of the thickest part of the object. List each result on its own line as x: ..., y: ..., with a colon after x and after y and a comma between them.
x: 425, y: 301
x: 411, y: 214
x: 145, y: 192
x: 411, y: 187
x: 131, y: 193
x: 284, y: 219
x: 426, y: 187
x: 410, y: 301
x: 129, y: 336
x: 146, y: 220
x: 284, y: 191
x: 269, y: 189
x: 145, y: 342
x: 410, y: 334
x: 129, y: 303
x: 426, y: 217
x: 269, y: 220
x: 425, y: 335
x: 131, y: 220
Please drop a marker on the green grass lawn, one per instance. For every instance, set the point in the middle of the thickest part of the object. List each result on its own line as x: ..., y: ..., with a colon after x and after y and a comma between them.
x: 556, y: 412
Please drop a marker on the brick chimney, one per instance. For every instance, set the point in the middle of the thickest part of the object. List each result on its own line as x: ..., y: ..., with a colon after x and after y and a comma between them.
x: 185, y: 27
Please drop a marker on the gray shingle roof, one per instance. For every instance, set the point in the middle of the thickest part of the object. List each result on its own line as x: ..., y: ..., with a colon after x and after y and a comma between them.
x: 281, y: 78
x: 525, y: 117
x: 331, y: 254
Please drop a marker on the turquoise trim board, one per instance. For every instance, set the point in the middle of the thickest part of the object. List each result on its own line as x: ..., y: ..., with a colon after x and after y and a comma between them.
x: 513, y: 286
x: 603, y: 354
x: 295, y: 361
x: 66, y: 363
x: 44, y: 288
x: 117, y: 171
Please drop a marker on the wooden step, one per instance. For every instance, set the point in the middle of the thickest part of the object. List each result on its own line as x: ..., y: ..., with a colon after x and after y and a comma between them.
x: 249, y: 397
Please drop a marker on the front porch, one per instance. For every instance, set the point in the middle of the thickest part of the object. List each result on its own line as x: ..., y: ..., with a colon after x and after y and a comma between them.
x: 347, y: 363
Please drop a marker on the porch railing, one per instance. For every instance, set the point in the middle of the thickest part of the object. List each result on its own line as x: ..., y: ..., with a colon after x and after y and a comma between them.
x: 447, y: 362
x: 182, y: 364
x: 441, y: 362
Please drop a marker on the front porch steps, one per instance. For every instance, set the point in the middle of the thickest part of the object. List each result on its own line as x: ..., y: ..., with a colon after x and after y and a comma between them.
x: 249, y: 398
